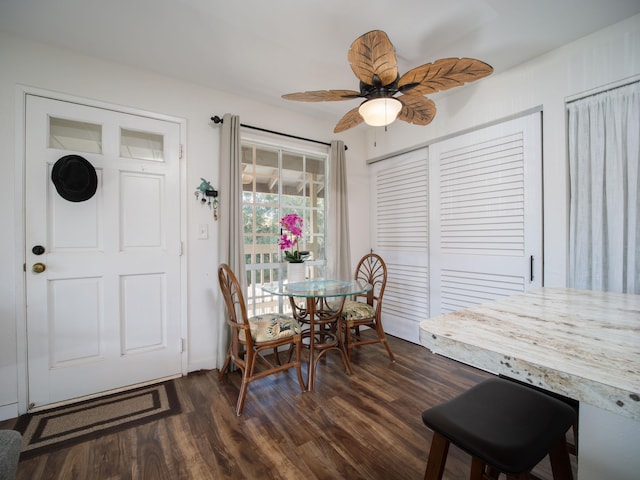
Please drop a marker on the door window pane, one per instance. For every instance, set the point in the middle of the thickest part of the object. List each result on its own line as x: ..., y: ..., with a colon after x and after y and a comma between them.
x: 141, y: 145
x: 77, y: 136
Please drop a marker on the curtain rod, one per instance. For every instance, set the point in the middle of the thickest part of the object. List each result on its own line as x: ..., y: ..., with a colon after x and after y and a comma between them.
x: 216, y: 119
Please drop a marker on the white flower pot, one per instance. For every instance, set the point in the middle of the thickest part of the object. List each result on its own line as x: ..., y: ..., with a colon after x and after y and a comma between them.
x: 296, y: 272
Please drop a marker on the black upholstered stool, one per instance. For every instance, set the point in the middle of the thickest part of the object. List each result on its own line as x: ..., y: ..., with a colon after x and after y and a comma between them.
x: 505, y: 427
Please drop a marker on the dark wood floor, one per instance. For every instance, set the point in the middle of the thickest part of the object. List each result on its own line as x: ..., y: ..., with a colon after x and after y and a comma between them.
x: 363, y: 426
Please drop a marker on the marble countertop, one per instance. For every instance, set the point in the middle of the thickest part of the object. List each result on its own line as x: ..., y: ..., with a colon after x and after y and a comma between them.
x: 581, y: 344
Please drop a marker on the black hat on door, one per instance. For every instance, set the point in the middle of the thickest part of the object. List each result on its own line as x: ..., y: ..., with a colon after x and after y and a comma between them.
x: 75, y: 178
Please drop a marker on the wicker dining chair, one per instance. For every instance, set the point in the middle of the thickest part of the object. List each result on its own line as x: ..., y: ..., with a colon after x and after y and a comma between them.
x: 252, y: 336
x: 365, y: 309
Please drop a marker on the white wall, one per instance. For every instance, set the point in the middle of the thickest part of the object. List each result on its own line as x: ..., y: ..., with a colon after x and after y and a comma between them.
x: 39, y: 66
x: 597, y: 60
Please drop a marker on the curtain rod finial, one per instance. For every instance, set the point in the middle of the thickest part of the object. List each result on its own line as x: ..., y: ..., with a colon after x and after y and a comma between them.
x: 216, y: 119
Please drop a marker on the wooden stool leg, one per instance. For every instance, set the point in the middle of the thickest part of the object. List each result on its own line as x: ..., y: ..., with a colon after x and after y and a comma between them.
x: 477, y: 469
x: 560, y: 463
x: 437, y: 457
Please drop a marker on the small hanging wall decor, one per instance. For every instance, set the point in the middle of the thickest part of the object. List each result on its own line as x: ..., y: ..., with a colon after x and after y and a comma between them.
x: 208, y: 195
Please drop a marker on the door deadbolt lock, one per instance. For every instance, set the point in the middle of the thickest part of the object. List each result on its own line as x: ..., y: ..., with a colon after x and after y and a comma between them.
x: 38, y: 267
x: 37, y: 250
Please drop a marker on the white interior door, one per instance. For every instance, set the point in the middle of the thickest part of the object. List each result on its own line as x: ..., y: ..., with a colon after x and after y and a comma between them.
x: 400, y: 199
x: 105, y: 313
x: 485, y: 214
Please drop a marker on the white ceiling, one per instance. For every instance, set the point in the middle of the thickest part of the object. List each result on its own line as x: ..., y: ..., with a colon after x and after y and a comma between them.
x: 262, y: 49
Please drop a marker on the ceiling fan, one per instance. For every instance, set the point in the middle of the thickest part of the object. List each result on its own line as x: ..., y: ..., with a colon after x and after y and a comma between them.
x: 373, y: 61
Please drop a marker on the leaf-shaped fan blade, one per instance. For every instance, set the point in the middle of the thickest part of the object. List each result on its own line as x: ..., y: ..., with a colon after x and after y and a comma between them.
x: 322, y: 96
x: 417, y: 109
x: 442, y: 74
x: 372, y: 55
x: 350, y: 120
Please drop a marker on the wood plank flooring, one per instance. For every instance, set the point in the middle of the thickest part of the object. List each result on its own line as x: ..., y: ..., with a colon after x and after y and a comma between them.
x: 363, y: 426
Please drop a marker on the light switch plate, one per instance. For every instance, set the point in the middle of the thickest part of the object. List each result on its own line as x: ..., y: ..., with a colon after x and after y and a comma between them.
x: 203, y: 231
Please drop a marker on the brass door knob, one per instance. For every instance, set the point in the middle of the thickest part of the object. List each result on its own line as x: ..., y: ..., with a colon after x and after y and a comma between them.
x: 38, y: 267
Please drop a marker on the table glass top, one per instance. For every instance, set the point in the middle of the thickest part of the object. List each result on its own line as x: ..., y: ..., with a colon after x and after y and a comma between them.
x: 317, y: 288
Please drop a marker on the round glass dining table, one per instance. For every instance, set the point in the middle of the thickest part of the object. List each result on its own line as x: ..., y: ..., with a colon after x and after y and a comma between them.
x: 320, y: 309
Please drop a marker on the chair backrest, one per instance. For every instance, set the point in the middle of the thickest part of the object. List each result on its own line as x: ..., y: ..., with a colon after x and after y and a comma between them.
x: 373, y: 270
x: 237, y: 317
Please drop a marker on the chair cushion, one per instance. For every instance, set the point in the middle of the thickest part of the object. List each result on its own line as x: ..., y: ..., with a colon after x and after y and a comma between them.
x: 357, y: 310
x: 508, y: 425
x: 272, y: 326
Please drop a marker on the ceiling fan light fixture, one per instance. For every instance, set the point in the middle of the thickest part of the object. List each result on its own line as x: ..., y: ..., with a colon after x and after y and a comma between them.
x: 389, y: 95
x: 379, y: 112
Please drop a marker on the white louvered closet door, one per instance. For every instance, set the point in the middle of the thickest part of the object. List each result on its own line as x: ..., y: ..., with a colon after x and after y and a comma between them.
x: 485, y: 214
x: 400, y: 235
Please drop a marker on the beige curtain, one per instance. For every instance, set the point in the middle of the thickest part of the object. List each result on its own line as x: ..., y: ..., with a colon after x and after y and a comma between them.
x: 337, y: 250
x: 231, y: 247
